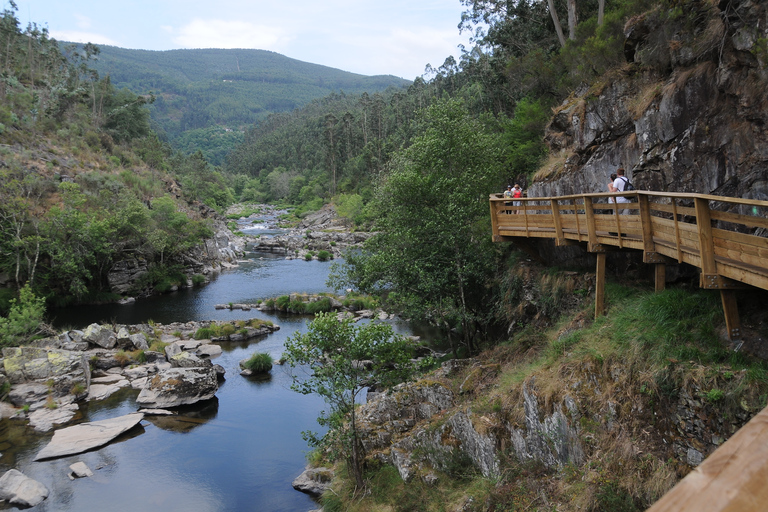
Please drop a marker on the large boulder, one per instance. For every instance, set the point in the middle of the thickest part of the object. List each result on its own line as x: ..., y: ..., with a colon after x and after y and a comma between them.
x: 100, y: 335
x: 314, y: 481
x: 188, y: 360
x: 178, y: 386
x: 63, y: 372
x: 18, y: 489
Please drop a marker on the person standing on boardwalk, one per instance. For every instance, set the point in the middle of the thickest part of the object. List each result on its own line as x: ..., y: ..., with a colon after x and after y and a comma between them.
x: 618, y: 185
x: 508, y: 195
x: 517, y: 193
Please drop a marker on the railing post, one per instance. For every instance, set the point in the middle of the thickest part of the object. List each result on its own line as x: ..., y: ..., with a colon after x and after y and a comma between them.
x: 706, y: 244
x: 494, y: 219
x: 556, y: 220
x: 591, y: 231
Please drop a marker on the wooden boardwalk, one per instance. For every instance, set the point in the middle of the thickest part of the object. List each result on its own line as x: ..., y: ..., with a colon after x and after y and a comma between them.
x: 724, y: 237
x: 727, y: 239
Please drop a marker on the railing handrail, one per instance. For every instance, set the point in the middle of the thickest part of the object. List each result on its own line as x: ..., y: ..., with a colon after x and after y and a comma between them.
x: 637, y: 193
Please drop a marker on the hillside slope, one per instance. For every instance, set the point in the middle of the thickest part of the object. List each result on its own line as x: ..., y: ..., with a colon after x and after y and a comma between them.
x: 204, y: 92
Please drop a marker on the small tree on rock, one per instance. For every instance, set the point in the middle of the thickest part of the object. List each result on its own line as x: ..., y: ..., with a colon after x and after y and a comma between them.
x: 341, y: 360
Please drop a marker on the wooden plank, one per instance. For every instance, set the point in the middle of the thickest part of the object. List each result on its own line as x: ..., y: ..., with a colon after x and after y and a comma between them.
x: 741, y: 238
x: 738, y: 218
x: 732, y: 479
x: 673, y: 208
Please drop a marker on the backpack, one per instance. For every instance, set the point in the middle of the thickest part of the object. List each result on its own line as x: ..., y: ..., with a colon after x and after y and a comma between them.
x: 628, y: 187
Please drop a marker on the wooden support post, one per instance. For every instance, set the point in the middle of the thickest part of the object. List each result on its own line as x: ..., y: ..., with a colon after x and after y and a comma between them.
x: 731, y: 311
x: 559, y: 239
x: 600, y: 285
x: 494, y: 218
x: 660, y: 276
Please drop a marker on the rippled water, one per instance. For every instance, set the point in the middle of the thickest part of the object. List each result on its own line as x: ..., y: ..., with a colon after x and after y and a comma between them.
x: 239, y: 452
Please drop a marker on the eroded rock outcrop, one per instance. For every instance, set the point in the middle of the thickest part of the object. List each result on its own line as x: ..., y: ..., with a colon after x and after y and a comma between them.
x: 420, y: 426
x: 688, y: 116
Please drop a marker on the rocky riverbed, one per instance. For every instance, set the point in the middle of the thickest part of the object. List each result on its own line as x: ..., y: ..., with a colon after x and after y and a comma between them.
x: 46, y: 382
x: 322, y: 230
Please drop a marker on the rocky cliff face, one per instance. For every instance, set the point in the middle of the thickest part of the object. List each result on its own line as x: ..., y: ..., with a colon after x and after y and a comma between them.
x: 688, y: 113
x: 211, y: 256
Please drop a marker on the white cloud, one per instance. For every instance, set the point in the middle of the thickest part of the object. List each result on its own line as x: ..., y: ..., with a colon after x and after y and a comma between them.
x: 227, y: 34
x: 83, y: 37
x: 83, y: 21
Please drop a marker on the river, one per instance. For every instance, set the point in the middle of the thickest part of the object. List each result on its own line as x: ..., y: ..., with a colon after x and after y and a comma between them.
x: 240, y: 452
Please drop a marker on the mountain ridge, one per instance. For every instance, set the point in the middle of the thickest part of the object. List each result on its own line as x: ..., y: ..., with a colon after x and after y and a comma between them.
x: 214, y: 95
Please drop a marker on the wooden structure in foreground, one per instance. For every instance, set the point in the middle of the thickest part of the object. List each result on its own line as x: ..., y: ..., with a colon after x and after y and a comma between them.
x: 666, y: 227
x: 732, y: 479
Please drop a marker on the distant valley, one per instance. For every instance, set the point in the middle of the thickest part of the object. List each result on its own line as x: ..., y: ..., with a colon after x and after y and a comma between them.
x: 207, y: 98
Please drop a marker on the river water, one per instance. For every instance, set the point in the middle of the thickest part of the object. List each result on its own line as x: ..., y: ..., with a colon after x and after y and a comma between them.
x: 239, y: 452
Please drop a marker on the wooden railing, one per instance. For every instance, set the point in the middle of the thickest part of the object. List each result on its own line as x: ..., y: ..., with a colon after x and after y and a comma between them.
x: 725, y: 237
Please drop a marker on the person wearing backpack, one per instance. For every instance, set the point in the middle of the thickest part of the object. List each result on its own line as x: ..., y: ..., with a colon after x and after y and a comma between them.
x: 621, y: 184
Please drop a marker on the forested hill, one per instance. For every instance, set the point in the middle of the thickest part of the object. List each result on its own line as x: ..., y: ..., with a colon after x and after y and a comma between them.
x: 205, y: 97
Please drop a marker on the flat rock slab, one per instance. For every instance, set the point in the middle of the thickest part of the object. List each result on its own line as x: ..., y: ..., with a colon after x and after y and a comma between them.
x: 44, y: 419
x: 102, y: 391
x: 87, y: 436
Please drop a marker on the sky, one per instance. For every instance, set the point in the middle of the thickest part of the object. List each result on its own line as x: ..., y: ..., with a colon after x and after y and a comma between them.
x: 369, y: 37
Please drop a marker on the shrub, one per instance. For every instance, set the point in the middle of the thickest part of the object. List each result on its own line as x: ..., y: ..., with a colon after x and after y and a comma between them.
x: 24, y: 318
x: 308, y: 256
x: 323, y: 304
x: 259, y: 362
x: 283, y: 302
x: 204, y: 333
x: 198, y: 279
x: 324, y: 256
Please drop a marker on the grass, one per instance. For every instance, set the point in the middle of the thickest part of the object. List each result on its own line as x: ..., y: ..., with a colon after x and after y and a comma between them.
x: 259, y: 362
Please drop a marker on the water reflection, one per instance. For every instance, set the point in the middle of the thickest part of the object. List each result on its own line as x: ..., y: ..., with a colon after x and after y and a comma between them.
x: 239, y: 452
x: 187, y: 418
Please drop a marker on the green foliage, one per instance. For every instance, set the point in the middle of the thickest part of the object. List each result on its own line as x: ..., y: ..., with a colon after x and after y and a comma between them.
x: 24, y: 318
x: 324, y: 255
x: 350, y: 207
x: 523, y: 136
x: 436, y: 191
x: 259, y: 362
x: 342, y: 359
x: 205, y: 333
